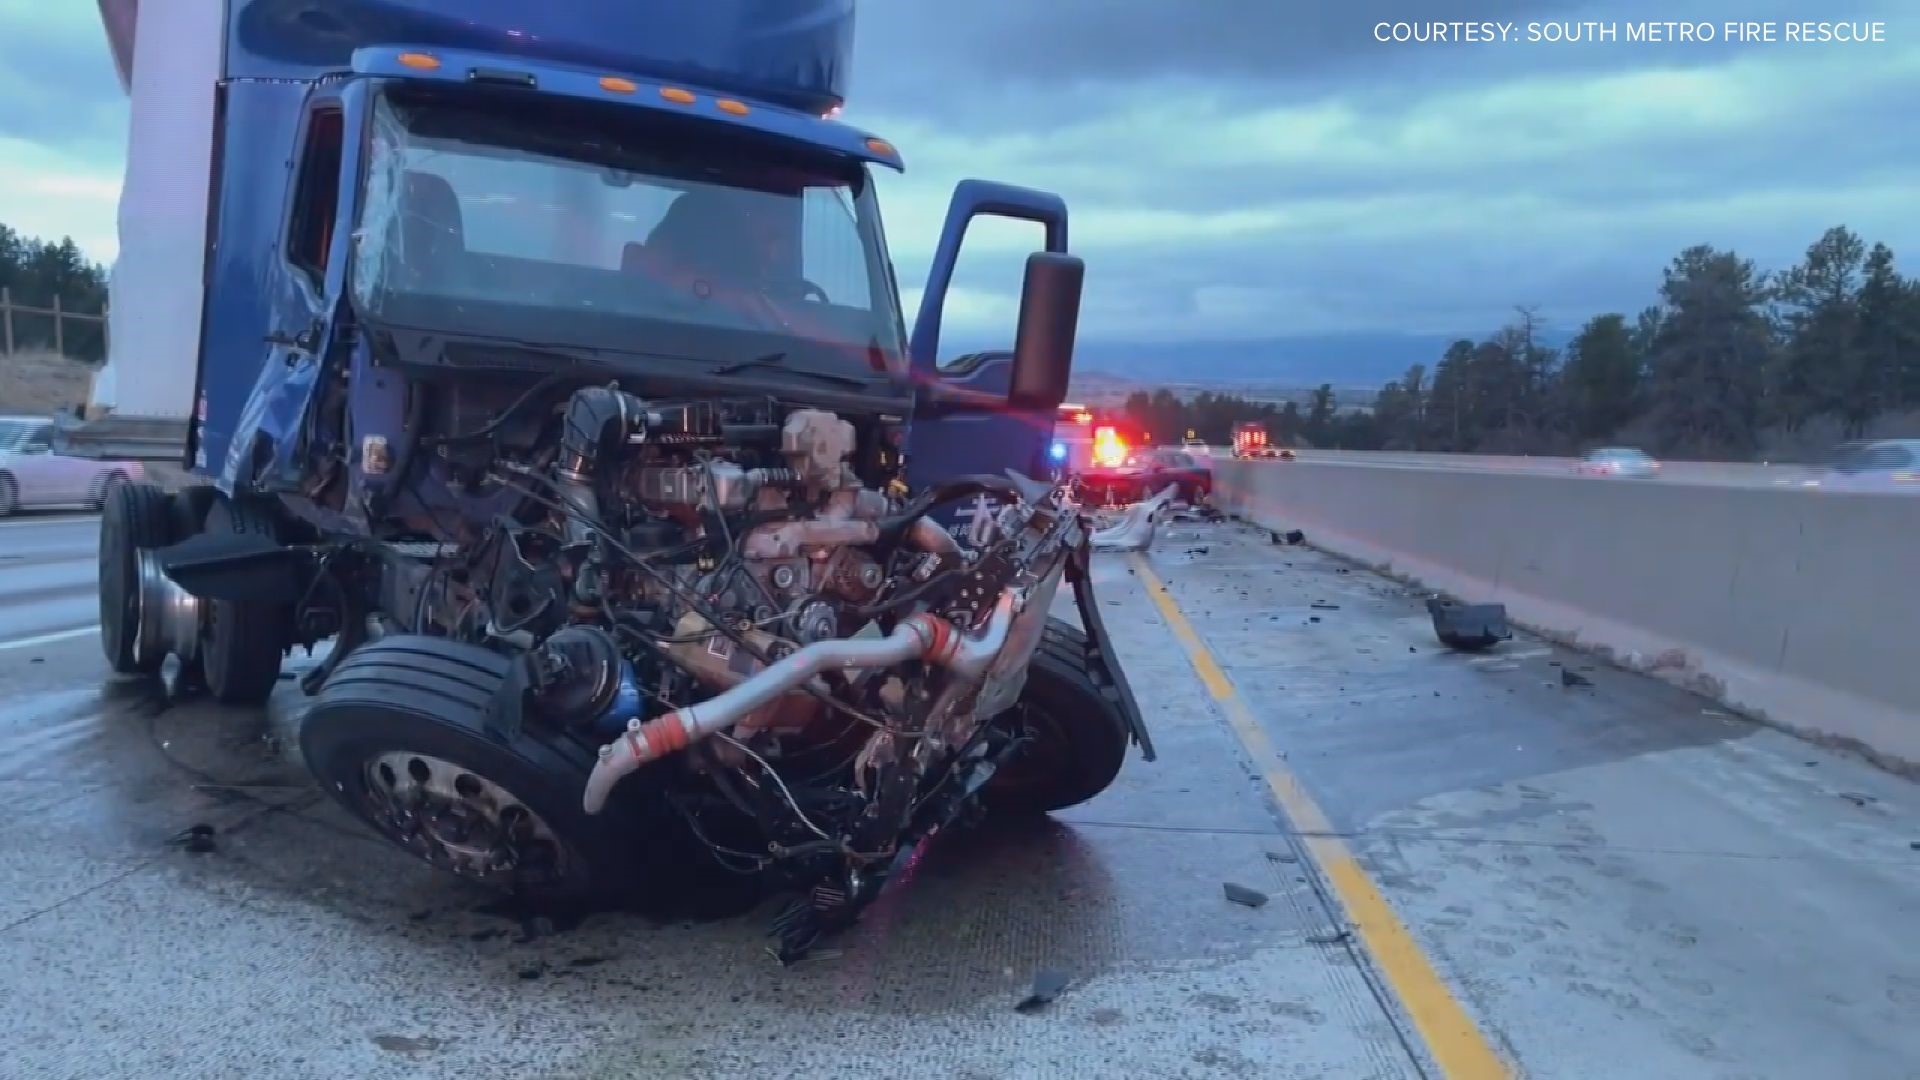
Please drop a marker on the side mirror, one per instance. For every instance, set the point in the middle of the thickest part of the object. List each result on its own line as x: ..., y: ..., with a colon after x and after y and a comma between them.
x: 1043, y: 344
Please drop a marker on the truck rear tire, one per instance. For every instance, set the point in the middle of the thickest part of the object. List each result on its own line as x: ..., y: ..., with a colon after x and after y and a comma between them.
x: 134, y: 516
x: 399, y: 736
x: 242, y: 644
x: 1079, y: 738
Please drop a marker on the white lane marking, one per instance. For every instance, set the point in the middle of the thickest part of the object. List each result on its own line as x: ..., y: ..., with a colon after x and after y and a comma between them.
x: 22, y: 523
x: 48, y: 639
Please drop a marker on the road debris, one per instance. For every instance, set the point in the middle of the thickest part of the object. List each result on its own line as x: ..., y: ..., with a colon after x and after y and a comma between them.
x: 1468, y: 627
x: 1282, y: 857
x: 197, y: 839
x: 1335, y: 938
x: 1573, y: 678
x: 1244, y: 896
x: 1047, y: 985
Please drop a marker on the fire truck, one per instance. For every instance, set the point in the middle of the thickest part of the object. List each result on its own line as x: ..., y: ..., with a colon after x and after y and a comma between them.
x: 1250, y: 441
x: 1081, y: 441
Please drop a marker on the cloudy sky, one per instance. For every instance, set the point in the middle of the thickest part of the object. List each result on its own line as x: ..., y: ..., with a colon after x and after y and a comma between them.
x: 1260, y: 168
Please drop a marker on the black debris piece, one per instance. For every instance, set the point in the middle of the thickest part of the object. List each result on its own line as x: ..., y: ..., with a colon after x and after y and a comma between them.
x: 1282, y: 857
x: 1573, y: 678
x: 1335, y: 938
x: 1856, y: 798
x: 1914, y: 844
x: 1295, y: 536
x: 1468, y: 627
x: 197, y: 839
x: 1197, y: 550
x: 1047, y: 985
x: 1244, y: 896
x: 421, y: 915
x: 1313, y: 618
x: 531, y: 973
x: 1321, y: 605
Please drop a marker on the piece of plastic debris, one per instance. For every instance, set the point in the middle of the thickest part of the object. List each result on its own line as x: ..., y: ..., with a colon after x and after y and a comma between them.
x: 1334, y: 938
x: 1856, y: 798
x: 1240, y: 894
x: 1295, y: 536
x: 1047, y: 985
x: 1468, y: 627
x: 1282, y: 857
x: 1320, y: 605
x: 1573, y: 678
x: 197, y: 839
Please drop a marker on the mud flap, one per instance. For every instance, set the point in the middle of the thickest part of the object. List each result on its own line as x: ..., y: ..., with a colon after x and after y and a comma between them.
x: 1101, y: 660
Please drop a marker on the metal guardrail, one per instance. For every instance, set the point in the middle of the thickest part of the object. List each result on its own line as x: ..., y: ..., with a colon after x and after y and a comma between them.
x: 126, y: 438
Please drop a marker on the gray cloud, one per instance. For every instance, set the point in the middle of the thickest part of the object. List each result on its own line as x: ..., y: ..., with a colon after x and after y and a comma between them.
x: 58, y: 83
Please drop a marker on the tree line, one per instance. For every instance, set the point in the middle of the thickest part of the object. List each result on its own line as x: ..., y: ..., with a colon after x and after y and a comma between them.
x: 1730, y: 363
x: 35, y: 272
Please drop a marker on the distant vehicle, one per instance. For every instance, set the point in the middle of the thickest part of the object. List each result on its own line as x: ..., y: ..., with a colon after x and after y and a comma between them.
x: 1144, y: 474
x: 1877, y: 465
x: 1250, y: 441
x: 1618, y: 461
x: 32, y: 476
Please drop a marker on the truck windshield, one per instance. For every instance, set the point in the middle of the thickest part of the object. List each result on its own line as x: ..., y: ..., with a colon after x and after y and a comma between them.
x: 609, y: 230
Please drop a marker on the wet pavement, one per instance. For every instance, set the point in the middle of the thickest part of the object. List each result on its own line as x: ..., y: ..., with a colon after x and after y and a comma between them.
x: 1614, y: 882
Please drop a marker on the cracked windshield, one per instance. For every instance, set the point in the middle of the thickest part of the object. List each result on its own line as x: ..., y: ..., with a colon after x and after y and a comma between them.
x: 876, y: 538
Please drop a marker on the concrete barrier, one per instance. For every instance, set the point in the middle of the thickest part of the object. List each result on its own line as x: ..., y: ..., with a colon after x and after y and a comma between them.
x: 1800, y: 608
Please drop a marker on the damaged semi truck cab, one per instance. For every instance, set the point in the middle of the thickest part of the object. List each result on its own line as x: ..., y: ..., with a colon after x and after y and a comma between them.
x: 551, y: 364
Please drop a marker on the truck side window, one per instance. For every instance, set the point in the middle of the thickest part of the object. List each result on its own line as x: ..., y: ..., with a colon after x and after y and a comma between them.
x: 984, y: 295
x: 310, y: 231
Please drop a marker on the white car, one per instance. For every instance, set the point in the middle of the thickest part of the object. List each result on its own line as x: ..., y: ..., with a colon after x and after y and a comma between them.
x: 32, y: 476
x: 1882, y: 465
x: 1617, y: 461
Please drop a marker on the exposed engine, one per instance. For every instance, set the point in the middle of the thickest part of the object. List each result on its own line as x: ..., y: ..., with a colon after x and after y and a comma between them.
x: 713, y: 597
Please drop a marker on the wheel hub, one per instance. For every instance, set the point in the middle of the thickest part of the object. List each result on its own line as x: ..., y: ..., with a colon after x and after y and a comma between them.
x: 168, y: 615
x: 461, y: 821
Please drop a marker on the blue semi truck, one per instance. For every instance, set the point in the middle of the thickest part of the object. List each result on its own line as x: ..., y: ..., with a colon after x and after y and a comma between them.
x: 548, y: 360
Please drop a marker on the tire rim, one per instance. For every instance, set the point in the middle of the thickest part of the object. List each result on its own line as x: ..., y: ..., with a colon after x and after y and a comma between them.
x: 460, y: 821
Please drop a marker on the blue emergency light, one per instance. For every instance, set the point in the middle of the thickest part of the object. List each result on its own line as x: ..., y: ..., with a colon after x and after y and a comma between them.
x: 1058, y: 452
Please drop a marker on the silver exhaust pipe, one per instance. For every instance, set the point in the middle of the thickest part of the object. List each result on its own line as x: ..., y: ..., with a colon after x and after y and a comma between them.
x: 922, y: 637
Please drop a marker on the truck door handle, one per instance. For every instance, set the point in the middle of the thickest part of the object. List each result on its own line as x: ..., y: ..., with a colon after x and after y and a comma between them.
x: 306, y: 342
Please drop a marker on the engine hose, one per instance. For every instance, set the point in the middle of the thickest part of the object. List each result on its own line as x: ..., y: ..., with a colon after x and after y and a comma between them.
x: 922, y: 637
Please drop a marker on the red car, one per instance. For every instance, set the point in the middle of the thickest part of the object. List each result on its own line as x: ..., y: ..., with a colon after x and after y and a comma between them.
x: 1144, y: 473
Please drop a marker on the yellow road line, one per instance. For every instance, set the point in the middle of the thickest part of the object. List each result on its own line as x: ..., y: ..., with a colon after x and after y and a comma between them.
x: 1457, y: 1044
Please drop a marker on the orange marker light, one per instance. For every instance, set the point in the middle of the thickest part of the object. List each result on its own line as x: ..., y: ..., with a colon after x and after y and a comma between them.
x: 675, y: 94
x: 880, y: 146
x: 728, y: 105
x: 419, y: 61
x: 613, y: 84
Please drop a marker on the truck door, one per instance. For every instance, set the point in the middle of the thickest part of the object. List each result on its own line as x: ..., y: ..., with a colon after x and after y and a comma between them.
x: 945, y: 446
x: 306, y: 294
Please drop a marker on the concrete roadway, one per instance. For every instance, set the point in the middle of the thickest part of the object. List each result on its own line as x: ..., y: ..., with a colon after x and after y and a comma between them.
x: 1490, y: 872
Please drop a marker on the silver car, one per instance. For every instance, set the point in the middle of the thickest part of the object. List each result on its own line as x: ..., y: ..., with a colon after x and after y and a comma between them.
x: 1891, y: 465
x: 1618, y: 461
x: 33, y: 476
